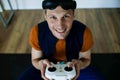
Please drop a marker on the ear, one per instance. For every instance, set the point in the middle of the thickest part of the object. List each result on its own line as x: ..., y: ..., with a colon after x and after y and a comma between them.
x: 74, y: 13
x: 44, y: 12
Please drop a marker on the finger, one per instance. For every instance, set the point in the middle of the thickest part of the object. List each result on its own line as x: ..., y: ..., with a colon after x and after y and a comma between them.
x: 43, y: 73
x: 73, y: 63
x: 76, y: 77
x: 47, y: 62
x: 43, y: 67
x: 45, y: 78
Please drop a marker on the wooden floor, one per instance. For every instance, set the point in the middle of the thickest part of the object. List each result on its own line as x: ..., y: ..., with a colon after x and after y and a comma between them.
x: 104, y: 24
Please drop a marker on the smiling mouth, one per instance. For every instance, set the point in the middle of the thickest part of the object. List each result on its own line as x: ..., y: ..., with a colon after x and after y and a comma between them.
x: 60, y: 31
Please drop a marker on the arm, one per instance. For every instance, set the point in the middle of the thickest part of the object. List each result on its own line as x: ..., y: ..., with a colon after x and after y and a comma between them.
x: 36, y: 53
x: 85, y: 53
x: 81, y: 63
x: 36, y: 57
x: 84, y: 59
x: 38, y: 62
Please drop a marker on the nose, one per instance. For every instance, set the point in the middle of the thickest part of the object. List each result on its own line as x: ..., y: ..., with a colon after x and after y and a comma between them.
x: 60, y: 24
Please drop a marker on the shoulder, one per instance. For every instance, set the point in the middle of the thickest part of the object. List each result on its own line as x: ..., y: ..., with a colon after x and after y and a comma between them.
x: 87, y: 32
x: 43, y: 23
x: 34, y: 29
x: 87, y: 40
x: 33, y: 39
x: 77, y: 26
x: 81, y: 26
x: 78, y: 23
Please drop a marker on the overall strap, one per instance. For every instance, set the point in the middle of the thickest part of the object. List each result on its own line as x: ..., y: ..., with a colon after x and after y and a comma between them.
x: 46, y: 40
x: 74, y: 40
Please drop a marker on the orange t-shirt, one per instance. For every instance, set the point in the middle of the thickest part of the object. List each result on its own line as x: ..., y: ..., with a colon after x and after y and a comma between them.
x: 60, y: 53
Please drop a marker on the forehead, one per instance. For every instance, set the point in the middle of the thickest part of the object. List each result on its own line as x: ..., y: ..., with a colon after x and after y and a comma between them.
x: 59, y: 10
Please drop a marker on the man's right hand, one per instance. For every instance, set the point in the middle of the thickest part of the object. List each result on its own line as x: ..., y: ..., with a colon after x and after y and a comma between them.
x: 43, y: 63
x: 38, y: 63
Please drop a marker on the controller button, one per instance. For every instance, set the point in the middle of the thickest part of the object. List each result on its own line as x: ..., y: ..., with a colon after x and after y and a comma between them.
x: 51, y: 69
x: 68, y: 68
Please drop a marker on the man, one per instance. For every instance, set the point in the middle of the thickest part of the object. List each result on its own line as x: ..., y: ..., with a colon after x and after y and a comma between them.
x: 60, y: 38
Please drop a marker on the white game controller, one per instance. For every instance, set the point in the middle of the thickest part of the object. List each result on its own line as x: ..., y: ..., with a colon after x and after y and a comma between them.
x: 60, y: 72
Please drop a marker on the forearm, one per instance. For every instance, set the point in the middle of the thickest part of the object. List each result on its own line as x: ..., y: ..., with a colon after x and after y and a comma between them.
x: 36, y: 63
x: 85, y: 59
x: 36, y: 58
x: 84, y: 62
x: 80, y: 64
x: 41, y: 64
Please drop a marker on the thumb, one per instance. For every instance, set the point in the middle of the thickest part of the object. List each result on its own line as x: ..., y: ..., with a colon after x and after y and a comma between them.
x: 73, y: 63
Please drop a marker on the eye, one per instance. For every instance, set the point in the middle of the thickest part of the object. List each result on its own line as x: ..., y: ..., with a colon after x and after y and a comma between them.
x: 66, y: 16
x: 52, y: 17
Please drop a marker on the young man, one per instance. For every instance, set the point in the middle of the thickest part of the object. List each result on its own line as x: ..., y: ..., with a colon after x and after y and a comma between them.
x: 60, y: 38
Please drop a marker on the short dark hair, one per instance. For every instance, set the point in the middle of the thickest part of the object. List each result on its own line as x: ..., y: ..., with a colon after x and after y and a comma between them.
x: 65, y: 4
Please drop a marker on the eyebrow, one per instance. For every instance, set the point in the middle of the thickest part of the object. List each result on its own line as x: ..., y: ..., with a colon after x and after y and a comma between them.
x: 65, y: 12
x: 52, y: 14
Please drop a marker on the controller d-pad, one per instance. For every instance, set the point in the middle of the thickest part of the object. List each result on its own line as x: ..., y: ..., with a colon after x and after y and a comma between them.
x: 51, y: 69
x: 68, y: 68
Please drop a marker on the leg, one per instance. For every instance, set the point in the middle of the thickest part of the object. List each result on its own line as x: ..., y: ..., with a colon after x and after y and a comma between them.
x: 31, y: 74
x: 90, y: 74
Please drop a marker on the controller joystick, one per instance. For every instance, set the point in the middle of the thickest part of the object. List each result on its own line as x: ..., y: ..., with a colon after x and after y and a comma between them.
x: 51, y: 69
x: 68, y: 69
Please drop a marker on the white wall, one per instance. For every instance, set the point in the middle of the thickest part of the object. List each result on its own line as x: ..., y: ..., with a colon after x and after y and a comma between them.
x: 36, y: 4
x: 98, y: 3
x: 23, y: 4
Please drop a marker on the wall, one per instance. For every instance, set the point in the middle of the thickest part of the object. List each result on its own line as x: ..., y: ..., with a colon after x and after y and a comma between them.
x: 36, y: 4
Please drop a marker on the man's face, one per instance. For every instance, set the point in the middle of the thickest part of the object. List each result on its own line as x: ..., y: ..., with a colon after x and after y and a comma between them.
x: 60, y: 21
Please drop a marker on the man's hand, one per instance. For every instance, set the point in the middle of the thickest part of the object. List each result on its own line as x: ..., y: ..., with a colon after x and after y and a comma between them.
x: 39, y: 63
x: 75, y: 63
x: 43, y: 63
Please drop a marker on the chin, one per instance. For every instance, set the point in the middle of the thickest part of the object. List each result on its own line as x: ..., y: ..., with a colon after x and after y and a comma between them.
x: 60, y: 37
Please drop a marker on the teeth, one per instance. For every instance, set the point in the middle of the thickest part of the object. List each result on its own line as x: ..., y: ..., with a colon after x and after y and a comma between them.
x: 60, y: 31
